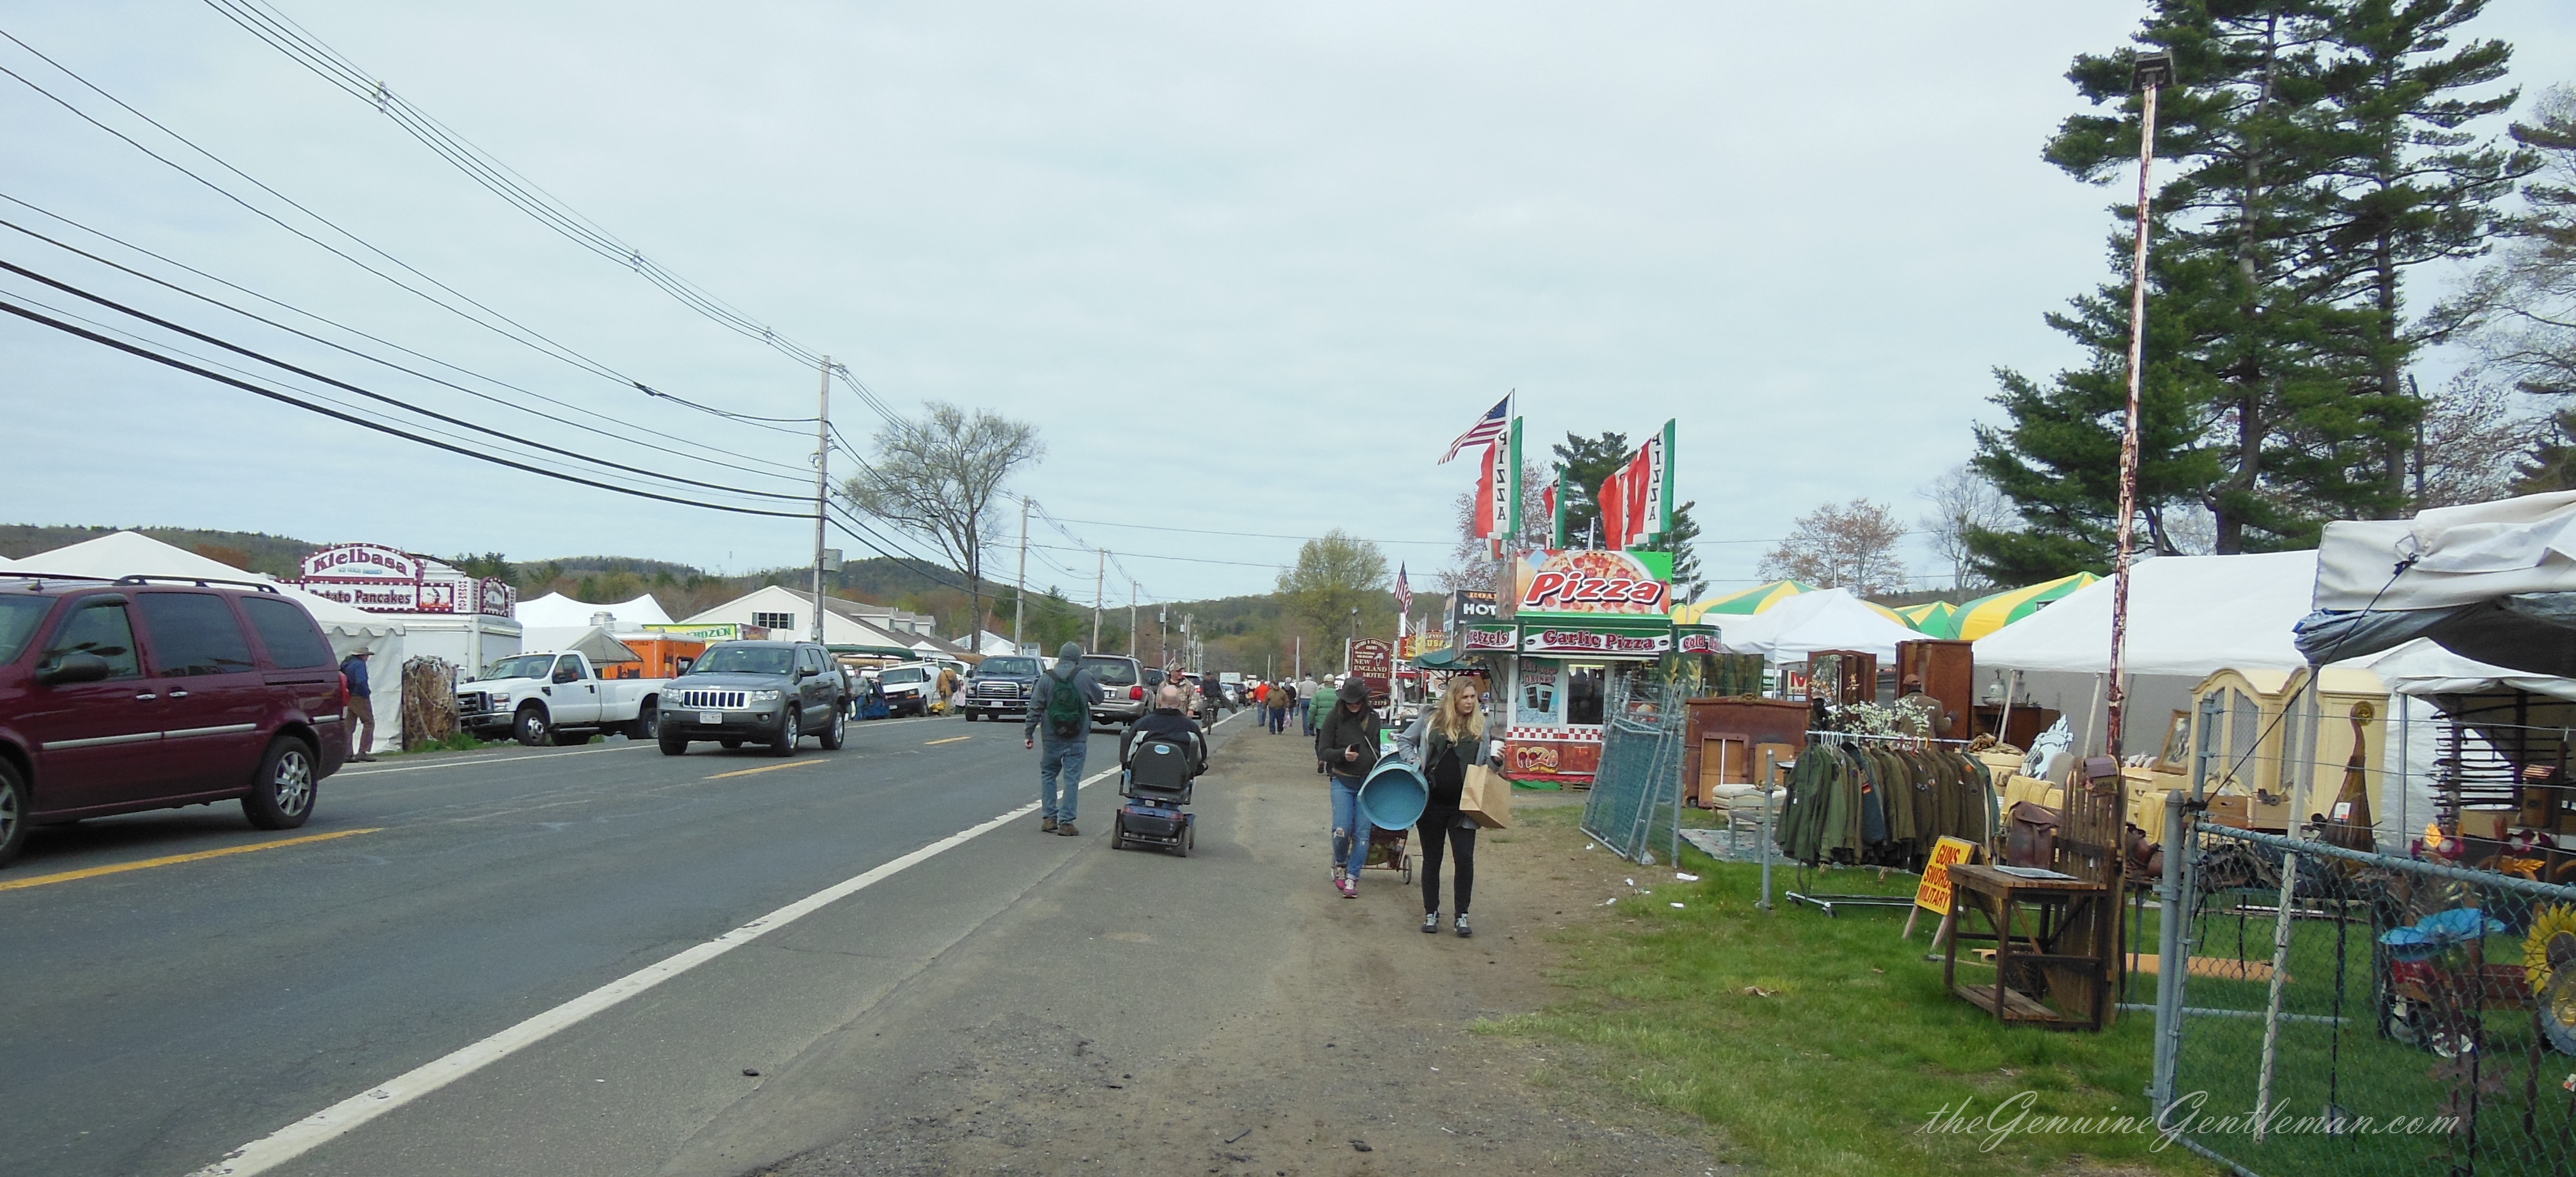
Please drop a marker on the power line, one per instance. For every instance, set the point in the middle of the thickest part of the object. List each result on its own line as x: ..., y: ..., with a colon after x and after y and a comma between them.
x: 516, y: 331
x: 353, y: 419
x: 792, y: 471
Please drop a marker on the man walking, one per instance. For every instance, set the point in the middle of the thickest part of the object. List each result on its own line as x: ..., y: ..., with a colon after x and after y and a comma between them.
x: 362, y: 703
x: 1308, y: 691
x: 1061, y: 707
x: 1282, y: 697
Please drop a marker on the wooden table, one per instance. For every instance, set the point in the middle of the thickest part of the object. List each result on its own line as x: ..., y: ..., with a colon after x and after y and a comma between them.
x: 2067, y: 950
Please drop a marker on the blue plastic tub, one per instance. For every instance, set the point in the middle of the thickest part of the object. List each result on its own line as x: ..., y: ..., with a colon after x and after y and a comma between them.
x: 1393, y: 795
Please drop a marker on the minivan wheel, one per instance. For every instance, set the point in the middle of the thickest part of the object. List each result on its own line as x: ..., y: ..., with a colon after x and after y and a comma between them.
x: 281, y: 796
x: 14, y: 805
x: 788, y: 733
x: 532, y: 728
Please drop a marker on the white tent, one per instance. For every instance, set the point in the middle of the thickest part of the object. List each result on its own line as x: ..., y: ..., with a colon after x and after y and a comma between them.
x: 2188, y: 616
x: 556, y: 611
x: 1829, y: 619
x: 593, y: 641
x: 129, y: 553
x: 2494, y: 582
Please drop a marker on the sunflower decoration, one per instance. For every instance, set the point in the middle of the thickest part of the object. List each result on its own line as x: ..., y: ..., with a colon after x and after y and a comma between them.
x: 2549, y: 960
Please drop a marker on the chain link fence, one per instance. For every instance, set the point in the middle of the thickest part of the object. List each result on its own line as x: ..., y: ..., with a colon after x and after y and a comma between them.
x: 1635, y: 804
x: 2329, y: 1011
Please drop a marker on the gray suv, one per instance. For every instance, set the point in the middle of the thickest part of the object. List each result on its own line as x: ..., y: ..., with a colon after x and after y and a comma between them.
x: 1122, y: 689
x: 756, y: 692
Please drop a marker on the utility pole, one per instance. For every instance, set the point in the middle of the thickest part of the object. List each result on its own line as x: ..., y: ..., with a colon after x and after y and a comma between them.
x: 822, y: 483
x: 1099, y: 580
x: 1131, y: 617
x: 2153, y: 72
x: 1020, y: 596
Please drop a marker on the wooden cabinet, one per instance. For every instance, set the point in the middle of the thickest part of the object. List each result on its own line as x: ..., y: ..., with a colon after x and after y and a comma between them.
x: 1725, y: 739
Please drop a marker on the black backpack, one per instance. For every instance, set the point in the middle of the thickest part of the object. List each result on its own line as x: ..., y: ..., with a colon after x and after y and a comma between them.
x: 1067, y: 714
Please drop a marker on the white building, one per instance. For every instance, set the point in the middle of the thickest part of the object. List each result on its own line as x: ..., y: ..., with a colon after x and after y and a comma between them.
x: 848, y: 626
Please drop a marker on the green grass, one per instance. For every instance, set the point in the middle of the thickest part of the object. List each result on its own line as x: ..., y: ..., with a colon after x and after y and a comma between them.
x: 1857, y: 1047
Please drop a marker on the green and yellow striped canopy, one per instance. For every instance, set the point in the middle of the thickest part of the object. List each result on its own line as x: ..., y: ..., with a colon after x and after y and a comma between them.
x: 1743, y: 603
x: 1937, y: 619
x: 1994, y: 611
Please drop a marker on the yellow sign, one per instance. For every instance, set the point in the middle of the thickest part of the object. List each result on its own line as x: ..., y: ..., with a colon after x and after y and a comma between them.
x: 1934, y: 894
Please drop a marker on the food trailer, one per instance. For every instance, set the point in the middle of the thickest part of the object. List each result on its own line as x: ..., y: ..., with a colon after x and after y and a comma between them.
x: 1582, y: 622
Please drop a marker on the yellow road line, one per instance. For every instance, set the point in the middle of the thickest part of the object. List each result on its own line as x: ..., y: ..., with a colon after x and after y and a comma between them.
x: 175, y: 859
x: 949, y: 740
x: 764, y: 768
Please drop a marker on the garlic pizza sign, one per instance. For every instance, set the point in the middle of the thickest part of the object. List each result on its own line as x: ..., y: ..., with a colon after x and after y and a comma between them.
x: 1585, y: 641
x: 1597, y: 584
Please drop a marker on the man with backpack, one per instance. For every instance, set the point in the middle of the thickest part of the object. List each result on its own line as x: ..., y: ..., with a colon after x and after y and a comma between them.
x: 1061, y: 707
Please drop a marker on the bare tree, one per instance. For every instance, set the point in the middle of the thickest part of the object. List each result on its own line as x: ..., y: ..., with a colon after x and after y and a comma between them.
x: 939, y: 477
x: 1851, y: 546
x: 1961, y: 501
x: 2522, y: 305
x: 2473, y: 443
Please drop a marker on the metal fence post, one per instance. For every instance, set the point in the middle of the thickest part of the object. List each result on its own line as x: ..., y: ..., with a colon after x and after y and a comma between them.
x: 2171, y: 964
x: 2272, y: 1007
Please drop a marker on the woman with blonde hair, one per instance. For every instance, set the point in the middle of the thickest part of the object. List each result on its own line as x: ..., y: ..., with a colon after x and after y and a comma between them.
x: 1444, y: 742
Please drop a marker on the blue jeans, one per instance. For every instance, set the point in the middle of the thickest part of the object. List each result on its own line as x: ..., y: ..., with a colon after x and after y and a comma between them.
x: 1350, y: 830
x: 1060, y: 761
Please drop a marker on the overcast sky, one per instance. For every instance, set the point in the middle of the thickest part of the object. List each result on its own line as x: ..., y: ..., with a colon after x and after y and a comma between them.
x: 1246, y: 268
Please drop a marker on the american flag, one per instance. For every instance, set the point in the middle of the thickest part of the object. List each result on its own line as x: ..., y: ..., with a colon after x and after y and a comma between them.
x: 1403, y: 591
x: 1496, y: 422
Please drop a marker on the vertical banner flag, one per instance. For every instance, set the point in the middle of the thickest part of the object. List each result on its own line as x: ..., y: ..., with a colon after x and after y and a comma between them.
x: 1555, y: 499
x: 1612, y: 504
x: 1495, y: 494
x: 1659, y: 485
x: 1485, y: 495
x: 1515, y: 467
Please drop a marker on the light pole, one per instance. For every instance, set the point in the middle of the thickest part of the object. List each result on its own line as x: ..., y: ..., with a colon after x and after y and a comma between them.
x: 2153, y: 72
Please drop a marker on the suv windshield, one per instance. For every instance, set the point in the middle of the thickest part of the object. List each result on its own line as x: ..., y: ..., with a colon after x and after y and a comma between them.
x: 1010, y: 667
x: 731, y: 659
x: 523, y: 666
x: 1110, y: 672
x: 19, y: 617
x: 901, y: 674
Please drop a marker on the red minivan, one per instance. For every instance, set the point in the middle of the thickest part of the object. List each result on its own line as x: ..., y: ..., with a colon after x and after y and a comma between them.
x: 155, y: 692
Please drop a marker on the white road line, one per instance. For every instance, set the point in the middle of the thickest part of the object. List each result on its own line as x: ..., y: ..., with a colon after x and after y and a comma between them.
x: 339, y: 1119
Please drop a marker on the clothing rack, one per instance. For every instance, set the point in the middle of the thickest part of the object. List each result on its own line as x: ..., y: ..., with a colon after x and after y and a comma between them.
x: 1806, y: 870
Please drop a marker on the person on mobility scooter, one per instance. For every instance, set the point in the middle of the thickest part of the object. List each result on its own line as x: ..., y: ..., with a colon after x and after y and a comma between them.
x: 1158, y: 757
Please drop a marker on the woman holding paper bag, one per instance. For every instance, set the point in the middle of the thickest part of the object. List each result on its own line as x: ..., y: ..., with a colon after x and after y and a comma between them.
x: 1445, y: 742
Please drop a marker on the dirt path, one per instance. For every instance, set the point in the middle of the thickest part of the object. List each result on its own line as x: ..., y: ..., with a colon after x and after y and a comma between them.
x: 1330, y: 1037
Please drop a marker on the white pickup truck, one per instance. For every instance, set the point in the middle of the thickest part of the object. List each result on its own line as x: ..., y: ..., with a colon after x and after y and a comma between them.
x: 557, y: 698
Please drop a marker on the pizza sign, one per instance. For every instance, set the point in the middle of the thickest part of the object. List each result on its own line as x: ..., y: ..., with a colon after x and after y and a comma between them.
x: 1699, y: 643
x: 1489, y: 639
x: 1632, y: 584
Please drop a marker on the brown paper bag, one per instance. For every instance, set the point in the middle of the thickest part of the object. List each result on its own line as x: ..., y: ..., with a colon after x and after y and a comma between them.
x: 1486, y: 798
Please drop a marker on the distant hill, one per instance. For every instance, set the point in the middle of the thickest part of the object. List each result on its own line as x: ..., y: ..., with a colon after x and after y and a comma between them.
x: 254, y: 551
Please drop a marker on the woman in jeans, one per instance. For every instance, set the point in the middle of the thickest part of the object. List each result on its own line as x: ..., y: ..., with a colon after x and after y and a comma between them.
x: 1445, y: 742
x: 1346, y: 749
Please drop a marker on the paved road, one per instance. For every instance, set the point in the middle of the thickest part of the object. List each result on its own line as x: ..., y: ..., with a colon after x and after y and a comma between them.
x: 161, y: 1017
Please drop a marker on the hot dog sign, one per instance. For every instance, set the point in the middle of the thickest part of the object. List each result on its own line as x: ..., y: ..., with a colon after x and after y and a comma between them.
x: 1588, y: 583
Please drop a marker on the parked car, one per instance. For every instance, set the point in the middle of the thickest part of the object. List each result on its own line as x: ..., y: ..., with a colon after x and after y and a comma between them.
x: 1122, y: 688
x: 1000, y: 686
x: 908, y: 687
x: 549, y: 697
x: 766, y: 692
x: 144, y: 693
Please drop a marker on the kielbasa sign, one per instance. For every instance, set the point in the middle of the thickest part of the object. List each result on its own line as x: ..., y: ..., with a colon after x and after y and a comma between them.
x: 1597, y: 584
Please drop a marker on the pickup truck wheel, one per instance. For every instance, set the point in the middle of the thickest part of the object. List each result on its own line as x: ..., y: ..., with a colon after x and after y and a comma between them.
x: 832, y: 736
x: 532, y: 727
x: 645, y: 721
x: 14, y: 806
x: 788, y: 732
x: 281, y: 796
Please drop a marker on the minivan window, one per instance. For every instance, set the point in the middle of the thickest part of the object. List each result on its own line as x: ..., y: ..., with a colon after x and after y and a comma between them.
x: 1009, y: 667
x: 1111, y: 672
x: 19, y: 617
x: 103, y: 630
x: 194, y: 633
x: 287, y: 630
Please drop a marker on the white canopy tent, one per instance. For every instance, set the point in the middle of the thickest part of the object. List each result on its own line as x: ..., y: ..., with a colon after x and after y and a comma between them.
x: 557, y: 611
x: 129, y: 553
x: 2188, y: 617
x: 1828, y: 619
x: 2494, y: 582
x: 592, y: 641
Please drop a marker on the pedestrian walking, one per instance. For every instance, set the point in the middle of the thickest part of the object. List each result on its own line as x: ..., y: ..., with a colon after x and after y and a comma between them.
x: 1444, y: 743
x: 1310, y: 693
x: 362, y: 703
x: 1061, y: 709
x: 1283, y: 699
x: 1261, y: 699
x: 1346, y: 749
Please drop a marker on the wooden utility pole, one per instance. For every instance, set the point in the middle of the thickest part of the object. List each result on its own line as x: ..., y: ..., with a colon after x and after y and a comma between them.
x: 1099, y: 580
x: 2154, y: 70
x: 822, y: 483
x: 1020, y: 596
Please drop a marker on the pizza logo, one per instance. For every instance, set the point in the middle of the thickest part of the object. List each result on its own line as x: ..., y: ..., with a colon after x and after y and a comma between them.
x: 1594, y: 582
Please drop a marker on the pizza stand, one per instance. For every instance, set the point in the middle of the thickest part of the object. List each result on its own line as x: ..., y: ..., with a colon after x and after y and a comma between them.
x: 1581, y: 621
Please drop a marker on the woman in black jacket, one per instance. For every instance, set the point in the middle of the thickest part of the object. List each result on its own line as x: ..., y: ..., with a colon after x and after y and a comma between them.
x: 1444, y: 743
